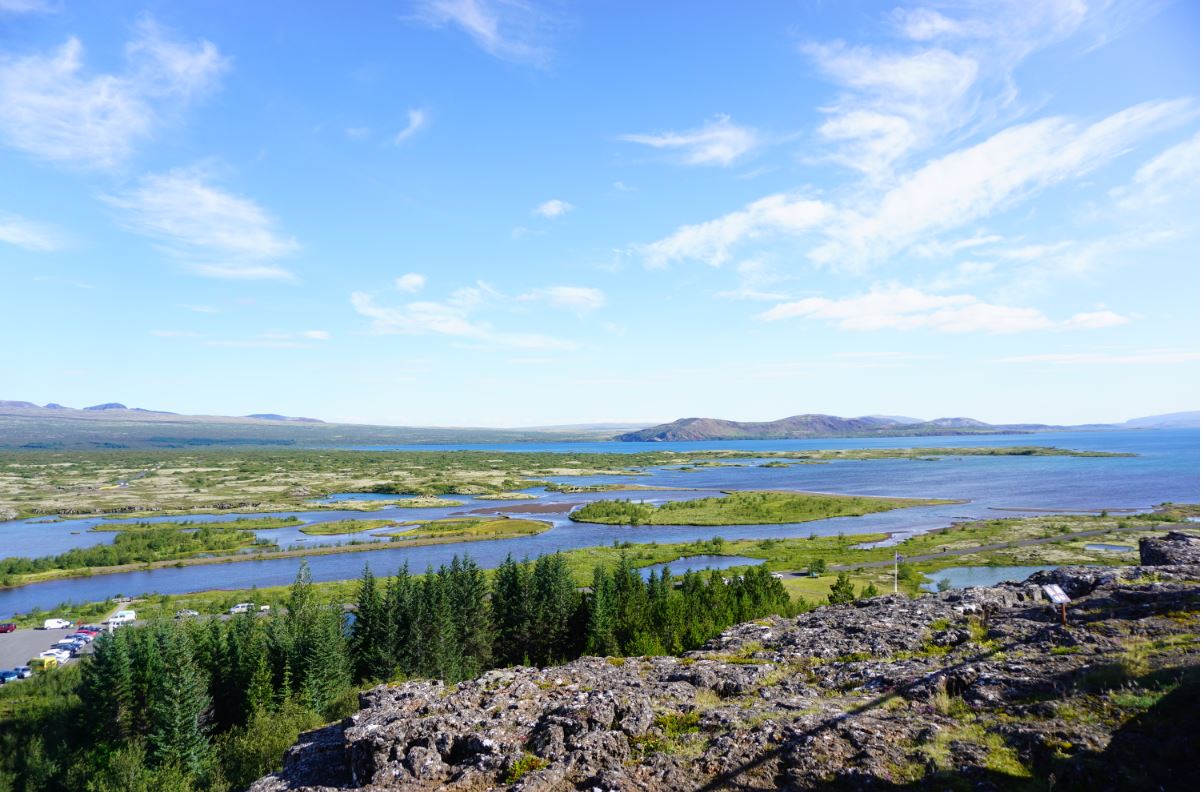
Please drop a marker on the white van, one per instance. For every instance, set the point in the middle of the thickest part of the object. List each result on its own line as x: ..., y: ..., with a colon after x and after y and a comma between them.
x: 122, y: 617
x: 241, y: 607
x: 55, y: 624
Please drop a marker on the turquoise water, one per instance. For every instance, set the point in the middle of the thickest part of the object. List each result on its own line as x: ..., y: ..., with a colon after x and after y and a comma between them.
x: 1166, y: 469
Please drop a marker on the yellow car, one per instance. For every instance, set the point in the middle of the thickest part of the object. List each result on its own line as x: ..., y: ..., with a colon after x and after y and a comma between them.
x: 43, y: 663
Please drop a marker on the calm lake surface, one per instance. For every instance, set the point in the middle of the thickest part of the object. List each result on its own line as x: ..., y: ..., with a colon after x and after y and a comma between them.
x: 1166, y: 469
x: 968, y: 577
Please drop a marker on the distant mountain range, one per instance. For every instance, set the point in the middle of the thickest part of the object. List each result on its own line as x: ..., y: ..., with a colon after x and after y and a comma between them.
x: 814, y: 426
x: 25, y: 425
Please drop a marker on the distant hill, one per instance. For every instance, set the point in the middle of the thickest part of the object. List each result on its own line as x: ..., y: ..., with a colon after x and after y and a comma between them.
x: 25, y: 425
x: 1181, y: 420
x: 803, y: 426
x: 814, y: 426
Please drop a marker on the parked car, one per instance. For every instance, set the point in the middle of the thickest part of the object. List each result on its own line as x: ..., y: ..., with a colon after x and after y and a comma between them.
x: 7, y: 627
x: 40, y: 663
x: 86, y: 637
x: 7, y: 676
x: 186, y: 613
x: 61, y: 655
x: 55, y: 624
x: 24, y: 672
x: 241, y: 607
x: 264, y: 609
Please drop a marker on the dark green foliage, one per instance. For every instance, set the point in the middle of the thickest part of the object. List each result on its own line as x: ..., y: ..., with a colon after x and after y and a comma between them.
x: 371, y: 641
x: 842, y: 590
x: 179, y: 706
x: 869, y: 591
x: 209, y: 705
x: 135, y: 547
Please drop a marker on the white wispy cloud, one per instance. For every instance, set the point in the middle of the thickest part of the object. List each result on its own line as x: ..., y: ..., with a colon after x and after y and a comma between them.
x: 453, y: 317
x: 511, y: 30
x: 1161, y: 179
x: 553, y: 208
x: 896, y: 101
x: 410, y: 282
x: 417, y: 121
x: 713, y: 242
x: 581, y: 299
x: 718, y: 142
x: 945, y: 194
x: 972, y: 183
x: 898, y: 308
x: 950, y: 73
x: 56, y: 110
x: 25, y: 233
x: 214, y: 232
x: 1140, y: 358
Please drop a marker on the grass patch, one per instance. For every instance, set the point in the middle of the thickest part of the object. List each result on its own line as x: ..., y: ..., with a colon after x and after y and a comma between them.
x: 346, y: 527
x: 741, y: 508
x: 524, y: 765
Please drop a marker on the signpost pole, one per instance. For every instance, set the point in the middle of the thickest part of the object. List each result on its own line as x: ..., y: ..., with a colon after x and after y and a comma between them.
x: 895, y: 563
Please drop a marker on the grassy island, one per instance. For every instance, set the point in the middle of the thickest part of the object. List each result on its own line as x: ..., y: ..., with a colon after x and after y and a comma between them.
x: 471, y: 529
x: 742, y: 508
x: 346, y: 526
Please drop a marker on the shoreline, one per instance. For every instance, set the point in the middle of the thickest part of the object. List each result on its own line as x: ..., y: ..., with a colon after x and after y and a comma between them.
x: 358, y: 547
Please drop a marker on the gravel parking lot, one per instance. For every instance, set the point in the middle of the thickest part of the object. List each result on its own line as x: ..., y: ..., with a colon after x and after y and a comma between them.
x: 17, y: 647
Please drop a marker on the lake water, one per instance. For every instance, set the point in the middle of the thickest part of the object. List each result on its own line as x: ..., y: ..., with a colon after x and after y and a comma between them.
x: 697, y: 563
x: 1166, y: 469
x: 967, y: 577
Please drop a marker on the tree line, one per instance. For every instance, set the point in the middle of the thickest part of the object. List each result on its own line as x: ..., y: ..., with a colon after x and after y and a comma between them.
x: 212, y: 704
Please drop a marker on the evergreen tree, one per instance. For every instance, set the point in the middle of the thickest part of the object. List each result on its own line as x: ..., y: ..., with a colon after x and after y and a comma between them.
x: 869, y: 591
x: 439, y: 654
x: 370, y: 649
x: 630, y: 597
x: 511, y: 612
x: 468, y: 595
x: 326, y: 663
x: 602, y: 615
x: 107, y: 689
x: 554, y: 601
x: 842, y: 590
x: 178, y: 708
x: 400, y: 612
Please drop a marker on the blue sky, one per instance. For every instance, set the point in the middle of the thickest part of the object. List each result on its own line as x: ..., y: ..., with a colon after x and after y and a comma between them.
x: 479, y: 212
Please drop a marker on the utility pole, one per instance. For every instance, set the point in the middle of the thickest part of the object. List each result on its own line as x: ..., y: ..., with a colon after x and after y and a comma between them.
x: 896, y: 563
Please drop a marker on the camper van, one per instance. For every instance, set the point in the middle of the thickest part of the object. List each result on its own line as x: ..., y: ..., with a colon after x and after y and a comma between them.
x: 122, y: 617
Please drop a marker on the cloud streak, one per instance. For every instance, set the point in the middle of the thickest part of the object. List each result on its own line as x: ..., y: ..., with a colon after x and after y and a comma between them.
x: 453, y: 318
x: 896, y: 308
x: 25, y: 233
x: 506, y: 29
x: 55, y: 110
x: 717, y: 142
x: 214, y: 232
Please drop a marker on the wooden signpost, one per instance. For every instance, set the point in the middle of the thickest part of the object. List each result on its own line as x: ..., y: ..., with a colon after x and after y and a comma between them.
x: 1058, y: 597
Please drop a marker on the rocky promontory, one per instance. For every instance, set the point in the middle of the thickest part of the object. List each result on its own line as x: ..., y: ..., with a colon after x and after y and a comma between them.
x: 976, y: 689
